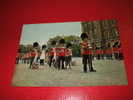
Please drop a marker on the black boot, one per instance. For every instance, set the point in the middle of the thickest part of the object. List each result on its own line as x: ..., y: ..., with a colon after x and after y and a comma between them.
x: 92, y: 70
x: 85, y: 68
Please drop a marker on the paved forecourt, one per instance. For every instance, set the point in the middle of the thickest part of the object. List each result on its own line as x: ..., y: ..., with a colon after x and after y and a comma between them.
x: 109, y: 72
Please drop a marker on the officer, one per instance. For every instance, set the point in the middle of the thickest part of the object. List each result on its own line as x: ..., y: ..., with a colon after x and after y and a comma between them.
x: 86, y: 51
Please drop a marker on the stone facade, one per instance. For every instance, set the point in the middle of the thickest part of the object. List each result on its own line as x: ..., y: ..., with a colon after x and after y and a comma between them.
x: 101, y: 33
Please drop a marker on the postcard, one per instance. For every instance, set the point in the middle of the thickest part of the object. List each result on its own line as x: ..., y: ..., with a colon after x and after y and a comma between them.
x: 86, y: 53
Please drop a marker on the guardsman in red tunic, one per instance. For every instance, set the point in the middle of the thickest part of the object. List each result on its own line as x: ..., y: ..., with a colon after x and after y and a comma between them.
x: 116, y: 49
x: 109, y: 52
x: 102, y: 53
x: 24, y: 57
x: 52, y: 53
x: 34, y: 55
x: 68, y: 54
x: 86, y: 51
x: 60, y: 51
x: 120, y: 52
x: 116, y: 52
x: 98, y: 53
x: 27, y: 58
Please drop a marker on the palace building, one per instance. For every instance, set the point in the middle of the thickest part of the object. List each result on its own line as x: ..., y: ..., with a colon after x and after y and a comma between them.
x: 101, y: 33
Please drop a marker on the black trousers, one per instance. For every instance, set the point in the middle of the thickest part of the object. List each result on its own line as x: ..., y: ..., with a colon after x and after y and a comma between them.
x: 61, y: 60
x: 41, y: 61
x: 87, y: 60
x: 50, y: 60
x: 121, y: 56
x: 31, y: 61
x: 17, y: 60
x: 98, y: 56
x: 116, y: 55
x: 68, y: 60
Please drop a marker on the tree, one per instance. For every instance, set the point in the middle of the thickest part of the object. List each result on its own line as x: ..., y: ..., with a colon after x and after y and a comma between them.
x: 22, y: 48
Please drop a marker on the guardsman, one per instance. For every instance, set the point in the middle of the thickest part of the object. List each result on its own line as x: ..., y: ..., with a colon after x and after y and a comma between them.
x: 86, y: 51
x: 34, y: 56
x: 98, y: 53
x: 17, y: 58
x: 60, y: 51
x: 109, y: 52
x: 27, y: 58
x: 116, y: 52
x: 43, y: 54
x: 102, y: 53
x: 120, y: 52
x: 68, y: 54
x: 52, y: 53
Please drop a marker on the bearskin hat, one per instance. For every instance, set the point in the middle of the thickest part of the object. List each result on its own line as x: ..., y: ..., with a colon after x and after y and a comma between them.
x: 35, y: 44
x: 44, y: 46
x: 68, y: 45
x: 53, y: 42
x: 61, y: 41
x: 83, y: 36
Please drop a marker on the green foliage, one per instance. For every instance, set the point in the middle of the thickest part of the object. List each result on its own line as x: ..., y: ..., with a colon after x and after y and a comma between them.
x: 76, y: 50
x: 25, y: 48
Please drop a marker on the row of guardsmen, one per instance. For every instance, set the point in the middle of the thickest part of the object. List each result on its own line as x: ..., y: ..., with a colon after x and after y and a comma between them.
x: 60, y: 55
x: 25, y: 58
x: 110, y: 53
x: 54, y: 55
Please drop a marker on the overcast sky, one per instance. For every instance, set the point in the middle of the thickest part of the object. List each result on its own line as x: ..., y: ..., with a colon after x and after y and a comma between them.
x: 42, y: 32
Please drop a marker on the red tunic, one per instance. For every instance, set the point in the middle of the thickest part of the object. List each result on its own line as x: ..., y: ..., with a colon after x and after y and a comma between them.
x: 33, y: 54
x: 120, y: 50
x: 52, y: 52
x: 85, y: 48
x: 61, y: 51
x: 29, y: 55
x: 115, y: 50
x: 109, y: 51
x: 17, y: 56
x: 26, y: 55
x: 102, y: 51
x: 99, y: 52
x: 68, y: 52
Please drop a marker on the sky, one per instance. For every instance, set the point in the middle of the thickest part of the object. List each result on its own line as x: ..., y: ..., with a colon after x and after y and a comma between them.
x: 42, y: 32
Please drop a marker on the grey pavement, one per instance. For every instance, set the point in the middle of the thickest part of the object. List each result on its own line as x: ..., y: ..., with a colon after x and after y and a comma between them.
x: 109, y: 72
